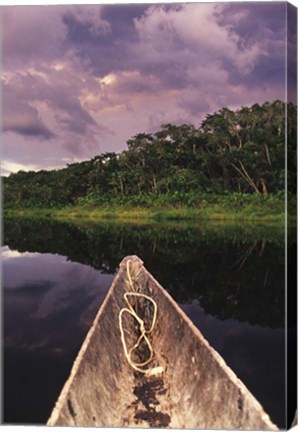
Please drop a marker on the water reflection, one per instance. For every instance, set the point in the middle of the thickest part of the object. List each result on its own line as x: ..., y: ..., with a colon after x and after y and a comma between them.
x: 255, y: 353
x: 230, y: 283
x: 234, y: 273
x: 49, y: 304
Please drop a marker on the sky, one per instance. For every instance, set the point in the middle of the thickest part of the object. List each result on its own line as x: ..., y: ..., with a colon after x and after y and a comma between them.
x: 78, y: 81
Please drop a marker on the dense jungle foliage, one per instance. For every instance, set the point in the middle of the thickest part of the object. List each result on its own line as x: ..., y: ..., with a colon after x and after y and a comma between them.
x: 232, y: 152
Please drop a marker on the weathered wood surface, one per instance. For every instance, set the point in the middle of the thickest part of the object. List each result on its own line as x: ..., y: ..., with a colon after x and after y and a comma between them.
x: 196, y: 390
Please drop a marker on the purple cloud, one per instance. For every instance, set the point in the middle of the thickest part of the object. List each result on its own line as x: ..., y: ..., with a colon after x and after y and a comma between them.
x: 21, y: 118
x: 87, y: 78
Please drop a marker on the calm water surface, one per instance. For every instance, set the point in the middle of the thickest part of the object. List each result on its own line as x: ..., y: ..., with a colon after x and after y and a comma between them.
x: 228, y: 280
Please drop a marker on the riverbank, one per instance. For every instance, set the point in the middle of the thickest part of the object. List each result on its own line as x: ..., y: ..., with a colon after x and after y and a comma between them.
x: 146, y: 214
x: 232, y: 207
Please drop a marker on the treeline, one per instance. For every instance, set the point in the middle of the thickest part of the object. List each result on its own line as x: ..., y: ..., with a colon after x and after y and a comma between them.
x: 232, y: 151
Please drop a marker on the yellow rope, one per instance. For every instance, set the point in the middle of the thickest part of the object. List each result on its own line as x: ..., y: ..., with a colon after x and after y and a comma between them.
x: 144, y: 332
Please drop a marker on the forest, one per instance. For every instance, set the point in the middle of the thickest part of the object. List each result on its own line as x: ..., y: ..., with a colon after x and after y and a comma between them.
x: 240, y: 152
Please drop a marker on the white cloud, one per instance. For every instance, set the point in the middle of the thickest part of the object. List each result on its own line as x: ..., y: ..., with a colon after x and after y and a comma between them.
x: 8, y: 167
x: 194, y: 28
x: 14, y: 167
x: 7, y: 254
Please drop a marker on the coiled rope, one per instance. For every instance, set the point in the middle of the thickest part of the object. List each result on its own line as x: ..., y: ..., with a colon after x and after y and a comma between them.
x: 144, y: 332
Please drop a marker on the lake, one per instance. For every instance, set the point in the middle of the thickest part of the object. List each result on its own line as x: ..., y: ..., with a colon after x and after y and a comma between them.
x: 229, y: 279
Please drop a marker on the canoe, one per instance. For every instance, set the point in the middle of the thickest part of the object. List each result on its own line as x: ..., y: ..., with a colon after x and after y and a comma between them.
x: 145, y: 364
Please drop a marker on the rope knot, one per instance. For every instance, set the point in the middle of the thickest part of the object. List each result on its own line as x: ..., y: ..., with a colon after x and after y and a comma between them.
x: 131, y: 311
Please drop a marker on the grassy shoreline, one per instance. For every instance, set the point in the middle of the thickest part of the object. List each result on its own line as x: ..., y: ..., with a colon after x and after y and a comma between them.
x: 119, y: 213
x: 250, y: 208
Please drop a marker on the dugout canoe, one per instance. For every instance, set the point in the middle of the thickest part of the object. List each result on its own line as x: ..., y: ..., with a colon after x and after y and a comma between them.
x: 190, y: 385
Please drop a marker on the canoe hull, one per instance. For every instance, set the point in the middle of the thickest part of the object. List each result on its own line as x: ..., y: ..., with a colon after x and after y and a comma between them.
x: 195, y: 390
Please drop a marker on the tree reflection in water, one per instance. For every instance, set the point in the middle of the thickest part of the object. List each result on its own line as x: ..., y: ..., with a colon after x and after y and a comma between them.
x: 229, y: 279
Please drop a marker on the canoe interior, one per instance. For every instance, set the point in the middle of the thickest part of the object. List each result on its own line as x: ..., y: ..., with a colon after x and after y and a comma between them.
x: 195, y: 390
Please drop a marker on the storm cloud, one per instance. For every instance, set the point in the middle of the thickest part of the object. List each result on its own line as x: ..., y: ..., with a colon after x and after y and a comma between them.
x: 84, y: 79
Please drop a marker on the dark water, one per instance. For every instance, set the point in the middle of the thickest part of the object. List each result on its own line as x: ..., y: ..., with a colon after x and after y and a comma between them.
x: 228, y: 279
